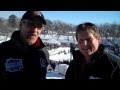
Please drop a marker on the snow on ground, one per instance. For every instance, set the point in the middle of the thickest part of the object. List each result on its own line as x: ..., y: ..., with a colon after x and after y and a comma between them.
x: 62, y: 68
x: 60, y: 38
x: 58, y: 73
x: 59, y: 54
x: 3, y: 38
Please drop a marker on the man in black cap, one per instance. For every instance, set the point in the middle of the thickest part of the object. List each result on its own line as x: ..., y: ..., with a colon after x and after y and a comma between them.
x: 24, y: 56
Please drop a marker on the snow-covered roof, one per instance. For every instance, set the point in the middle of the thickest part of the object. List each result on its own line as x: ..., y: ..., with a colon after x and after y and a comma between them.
x: 52, y: 41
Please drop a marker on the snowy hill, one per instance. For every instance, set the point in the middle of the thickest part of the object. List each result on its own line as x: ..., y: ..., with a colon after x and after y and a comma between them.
x: 60, y: 54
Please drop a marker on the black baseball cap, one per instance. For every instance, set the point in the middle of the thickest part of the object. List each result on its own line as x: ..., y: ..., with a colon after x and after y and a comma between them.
x: 35, y: 16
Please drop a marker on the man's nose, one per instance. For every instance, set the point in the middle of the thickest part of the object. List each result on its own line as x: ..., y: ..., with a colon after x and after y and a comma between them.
x: 34, y: 29
x: 85, y: 42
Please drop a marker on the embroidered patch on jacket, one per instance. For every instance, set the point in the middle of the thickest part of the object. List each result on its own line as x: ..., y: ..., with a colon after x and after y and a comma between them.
x: 93, y: 77
x: 43, y: 62
x: 13, y: 65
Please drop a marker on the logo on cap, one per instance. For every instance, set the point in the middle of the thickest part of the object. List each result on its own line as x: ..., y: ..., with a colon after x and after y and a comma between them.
x: 38, y: 13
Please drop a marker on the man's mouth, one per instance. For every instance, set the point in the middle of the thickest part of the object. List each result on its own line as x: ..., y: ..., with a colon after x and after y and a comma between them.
x: 85, y: 48
x: 32, y: 34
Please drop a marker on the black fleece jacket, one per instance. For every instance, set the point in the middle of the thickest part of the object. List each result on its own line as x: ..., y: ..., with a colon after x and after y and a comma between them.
x: 101, y: 67
x: 20, y: 62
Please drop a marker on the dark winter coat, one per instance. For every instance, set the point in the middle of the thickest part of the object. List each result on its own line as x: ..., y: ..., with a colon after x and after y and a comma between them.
x: 101, y: 67
x: 19, y: 62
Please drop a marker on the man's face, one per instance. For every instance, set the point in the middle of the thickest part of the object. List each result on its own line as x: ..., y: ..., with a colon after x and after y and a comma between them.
x: 87, y: 43
x: 30, y: 32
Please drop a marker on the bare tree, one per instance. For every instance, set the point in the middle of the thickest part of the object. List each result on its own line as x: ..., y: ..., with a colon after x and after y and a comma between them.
x: 12, y: 23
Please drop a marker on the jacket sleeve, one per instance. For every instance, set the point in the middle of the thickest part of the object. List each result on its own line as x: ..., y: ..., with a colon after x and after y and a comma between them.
x: 70, y: 73
x: 46, y: 54
x: 116, y: 72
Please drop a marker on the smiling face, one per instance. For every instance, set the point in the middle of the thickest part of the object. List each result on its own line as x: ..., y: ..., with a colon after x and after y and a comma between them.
x: 87, y: 43
x: 29, y: 32
x: 89, y: 39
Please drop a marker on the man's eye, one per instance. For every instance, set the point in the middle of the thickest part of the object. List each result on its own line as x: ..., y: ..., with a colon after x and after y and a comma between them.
x: 81, y: 40
x: 90, y: 39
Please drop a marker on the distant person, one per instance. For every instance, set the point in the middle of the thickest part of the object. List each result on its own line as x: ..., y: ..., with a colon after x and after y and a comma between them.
x: 49, y: 68
x: 53, y: 65
x: 25, y: 56
x: 90, y: 61
x: 72, y: 49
